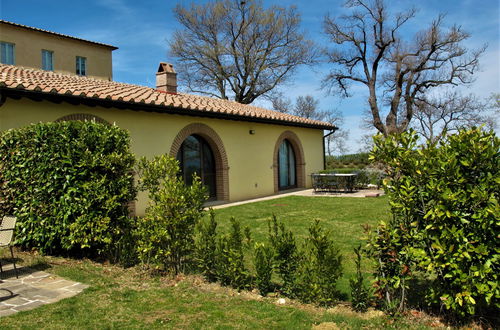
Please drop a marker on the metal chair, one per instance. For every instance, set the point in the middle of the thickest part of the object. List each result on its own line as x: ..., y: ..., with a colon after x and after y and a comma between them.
x: 6, y: 233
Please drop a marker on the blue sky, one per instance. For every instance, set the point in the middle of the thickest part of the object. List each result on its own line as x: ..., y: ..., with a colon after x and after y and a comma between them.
x: 141, y: 30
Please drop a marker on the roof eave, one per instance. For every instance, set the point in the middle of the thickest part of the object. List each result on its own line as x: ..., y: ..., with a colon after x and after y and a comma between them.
x: 107, y: 103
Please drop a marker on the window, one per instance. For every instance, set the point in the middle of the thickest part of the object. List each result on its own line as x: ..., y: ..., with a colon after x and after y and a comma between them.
x: 196, y: 156
x: 286, y: 166
x: 7, y: 53
x: 47, y: 60
x: 81, y: 66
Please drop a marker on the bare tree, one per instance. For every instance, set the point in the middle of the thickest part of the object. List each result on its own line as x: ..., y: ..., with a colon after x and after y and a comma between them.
x: 438, y: 116
x: 338, y: 140
x: 396, y: 72
x: 238, y: 49
x: 307, y: 107
x: 280, y: 102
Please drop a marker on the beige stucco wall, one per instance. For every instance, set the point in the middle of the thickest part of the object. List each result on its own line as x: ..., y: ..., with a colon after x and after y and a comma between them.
x: 250, y: 157
x: 29, y: 45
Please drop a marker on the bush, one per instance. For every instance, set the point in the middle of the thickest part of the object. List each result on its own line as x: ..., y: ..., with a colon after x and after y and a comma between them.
x: 319, y: 269
x: 206, y: 248
x: 166, y: 233
x: 359, y: 292
x: 445, y: 202
x: 286, y: 256
x: 69, y: 184
x: 231, y: 268
x: 360, y: 159
x: 263, y: 261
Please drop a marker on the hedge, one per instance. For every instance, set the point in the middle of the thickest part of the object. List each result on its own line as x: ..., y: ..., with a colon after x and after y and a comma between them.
x: 68, y: 183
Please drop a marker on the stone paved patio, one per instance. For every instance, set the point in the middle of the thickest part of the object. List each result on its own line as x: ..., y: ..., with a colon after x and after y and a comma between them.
x: 301, y: 192
x: 32, y: 289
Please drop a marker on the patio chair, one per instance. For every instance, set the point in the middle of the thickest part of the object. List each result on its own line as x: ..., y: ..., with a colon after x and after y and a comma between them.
x: 6, y: 233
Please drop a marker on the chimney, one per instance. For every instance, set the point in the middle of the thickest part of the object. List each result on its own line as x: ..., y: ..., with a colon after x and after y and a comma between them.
x: 166, y: 78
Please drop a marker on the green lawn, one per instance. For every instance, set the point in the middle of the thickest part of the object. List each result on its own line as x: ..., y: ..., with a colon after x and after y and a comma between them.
x: 131, y: 298
x: 344, y: 217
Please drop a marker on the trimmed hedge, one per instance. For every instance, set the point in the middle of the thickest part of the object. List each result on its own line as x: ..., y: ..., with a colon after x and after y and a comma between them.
x: 445, y: 201
x: 68, y: 183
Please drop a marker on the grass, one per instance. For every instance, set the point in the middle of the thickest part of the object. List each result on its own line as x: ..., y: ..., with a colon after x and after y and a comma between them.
x: 133, y: 298
x: 344, y: 217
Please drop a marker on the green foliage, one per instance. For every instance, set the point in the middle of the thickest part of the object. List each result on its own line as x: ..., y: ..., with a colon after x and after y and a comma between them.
x: 390, y: 247
x: 286, y: 256
x: 165, y: 235
x: 364, y: 176
x: 445, y: 202
x: 263, y: 260
x: 69, y: 184
x: 360, y: 159
x: 231, y: 268
x: 206, y: 247
x: 319, y: 268
x: 359, y: 292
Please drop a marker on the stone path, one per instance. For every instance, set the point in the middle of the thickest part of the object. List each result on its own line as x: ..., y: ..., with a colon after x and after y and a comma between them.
x: 33, y: 289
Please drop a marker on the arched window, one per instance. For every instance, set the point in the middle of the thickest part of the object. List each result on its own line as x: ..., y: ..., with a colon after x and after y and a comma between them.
x: 195, y: 156
x: 83, y: 117
x: 287, y: 174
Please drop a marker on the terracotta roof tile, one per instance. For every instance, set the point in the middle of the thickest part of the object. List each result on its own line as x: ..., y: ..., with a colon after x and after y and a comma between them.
x: 46, y: 82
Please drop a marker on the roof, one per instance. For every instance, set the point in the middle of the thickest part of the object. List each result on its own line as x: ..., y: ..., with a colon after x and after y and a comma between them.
x: 37, y: 84
x: 56, y: 34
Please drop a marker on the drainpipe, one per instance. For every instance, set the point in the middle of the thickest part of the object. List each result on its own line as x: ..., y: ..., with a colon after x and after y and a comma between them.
x: 324, y: 147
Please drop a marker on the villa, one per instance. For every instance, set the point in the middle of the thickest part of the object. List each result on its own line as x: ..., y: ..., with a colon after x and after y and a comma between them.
x: 239, y: 151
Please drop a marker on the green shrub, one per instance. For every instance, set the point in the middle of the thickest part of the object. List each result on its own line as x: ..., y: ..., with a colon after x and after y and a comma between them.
x: 206, y: 248
x: 445, y: 202
x: 69, y: 184
x: 166, y: 233
x: 286, y: 256
x: 360, y: 294
x: 231, y: 268
x: 263, y: 261
x: 319, y: 268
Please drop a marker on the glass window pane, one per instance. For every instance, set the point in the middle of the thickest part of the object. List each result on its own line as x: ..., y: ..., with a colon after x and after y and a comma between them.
x: 84, y: 66
x: 291, y: 164
x: 7, y: 53
x: 192, y: 159
x: 196, y: 156
x: 47, y: 60
x: 208, y: 169
x: 81, y: 66
x: 283, y: 165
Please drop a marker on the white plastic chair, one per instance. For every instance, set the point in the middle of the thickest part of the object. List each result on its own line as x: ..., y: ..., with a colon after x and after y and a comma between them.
x: 6, y: 234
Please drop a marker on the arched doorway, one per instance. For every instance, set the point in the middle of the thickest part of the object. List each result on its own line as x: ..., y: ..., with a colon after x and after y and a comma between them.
x: 207, y: 137
x: 287, y: 174
x: 288, y: 162
x: 196, y: 156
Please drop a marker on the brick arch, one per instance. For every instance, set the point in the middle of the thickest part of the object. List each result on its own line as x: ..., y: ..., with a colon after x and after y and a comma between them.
x: 299, y: 159
x: 215, y: 143
x: 83, y: 117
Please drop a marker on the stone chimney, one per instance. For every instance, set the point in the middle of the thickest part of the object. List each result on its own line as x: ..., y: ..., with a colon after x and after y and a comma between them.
x: 166, y: 78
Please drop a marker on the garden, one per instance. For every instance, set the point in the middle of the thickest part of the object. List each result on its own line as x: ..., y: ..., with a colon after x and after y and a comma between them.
x: 426, y: 255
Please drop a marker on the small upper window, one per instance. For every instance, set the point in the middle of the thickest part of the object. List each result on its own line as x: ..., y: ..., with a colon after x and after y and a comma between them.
x: 47, y: 60
x: 81, y: 66
x: 7, y: 53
